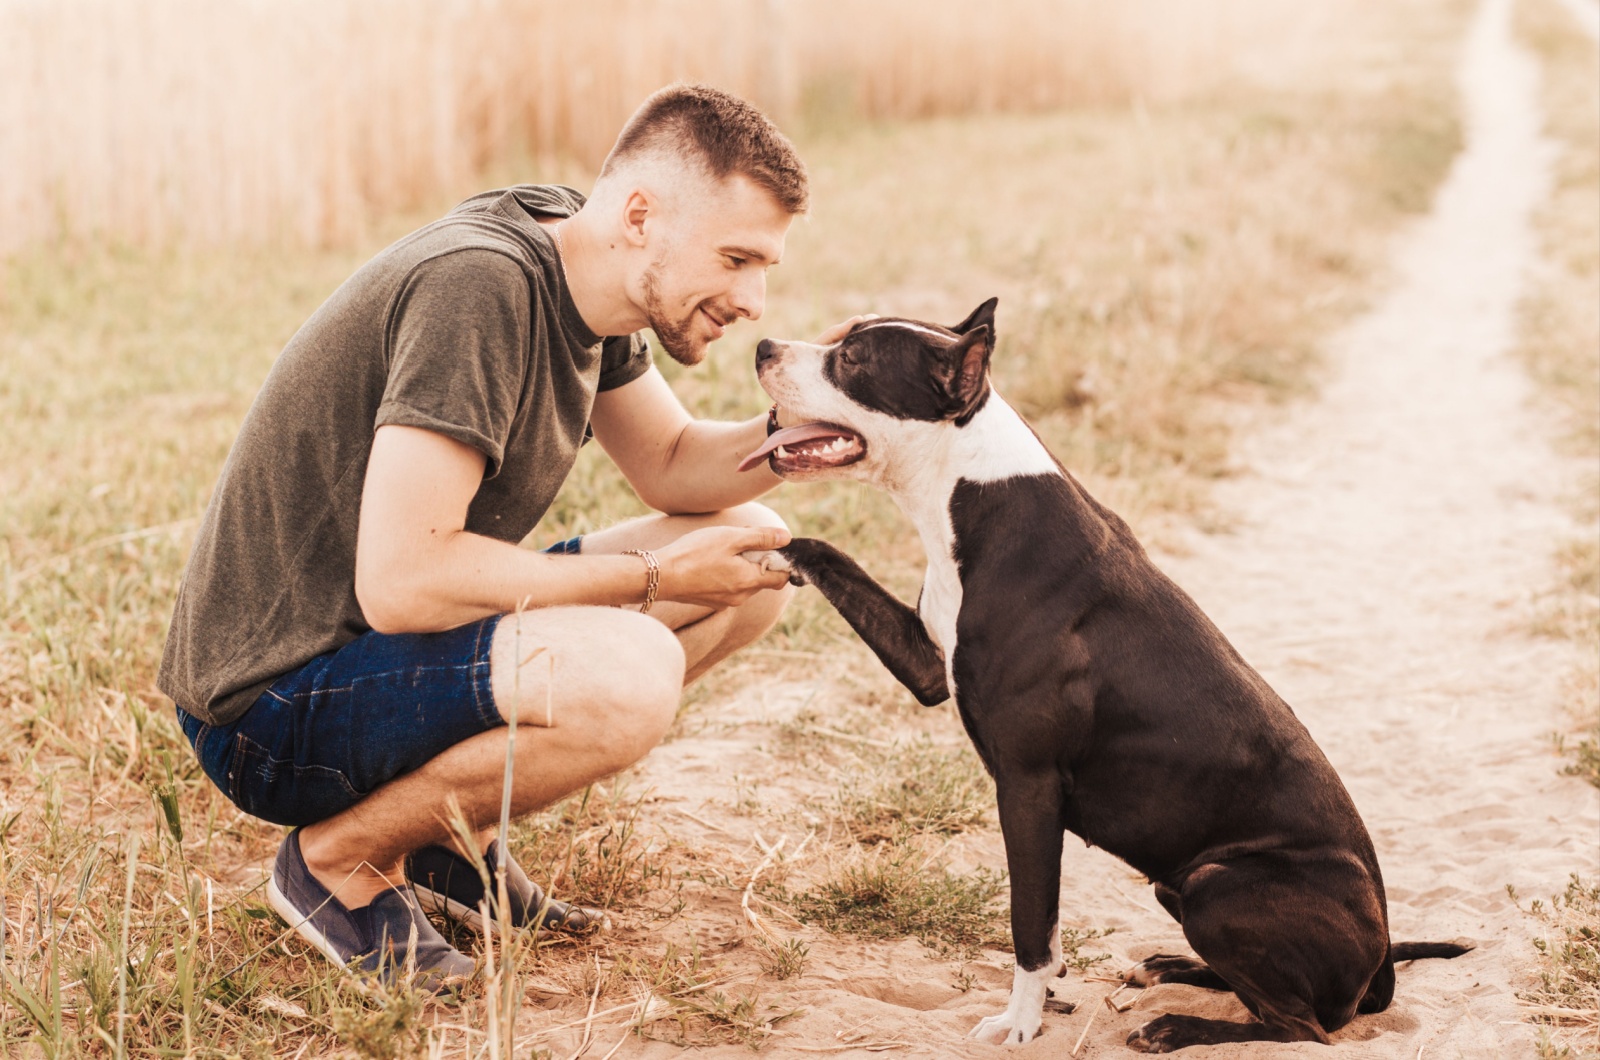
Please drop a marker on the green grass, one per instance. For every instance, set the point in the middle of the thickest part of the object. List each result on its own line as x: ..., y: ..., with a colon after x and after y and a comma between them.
x: 915, y: 788
x: 903, y: 891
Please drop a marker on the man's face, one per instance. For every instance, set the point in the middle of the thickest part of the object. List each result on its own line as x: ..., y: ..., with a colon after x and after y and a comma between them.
x: 710, y: 267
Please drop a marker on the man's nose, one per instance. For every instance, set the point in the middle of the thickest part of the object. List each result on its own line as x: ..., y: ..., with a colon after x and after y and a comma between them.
x: 749, y: 294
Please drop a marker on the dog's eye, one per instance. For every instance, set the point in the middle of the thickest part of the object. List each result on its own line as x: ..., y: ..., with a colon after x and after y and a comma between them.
x: 844, y: 355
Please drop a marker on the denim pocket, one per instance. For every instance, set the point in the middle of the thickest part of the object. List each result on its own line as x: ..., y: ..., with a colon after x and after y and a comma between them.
x: 278, y: 790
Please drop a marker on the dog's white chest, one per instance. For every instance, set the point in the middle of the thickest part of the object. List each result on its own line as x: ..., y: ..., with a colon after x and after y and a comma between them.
x: 940, y: 605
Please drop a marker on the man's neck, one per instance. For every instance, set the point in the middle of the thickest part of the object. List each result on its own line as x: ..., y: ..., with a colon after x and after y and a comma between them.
x: 594, y: 268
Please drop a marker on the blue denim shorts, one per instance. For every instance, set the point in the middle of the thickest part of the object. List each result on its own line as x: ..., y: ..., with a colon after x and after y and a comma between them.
x: 324, y: 736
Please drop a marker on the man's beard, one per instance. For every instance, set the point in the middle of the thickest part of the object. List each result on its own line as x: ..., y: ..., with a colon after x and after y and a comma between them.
x: 675, y: 336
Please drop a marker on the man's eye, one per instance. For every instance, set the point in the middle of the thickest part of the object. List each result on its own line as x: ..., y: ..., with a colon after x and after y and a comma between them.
x: 735, y: 263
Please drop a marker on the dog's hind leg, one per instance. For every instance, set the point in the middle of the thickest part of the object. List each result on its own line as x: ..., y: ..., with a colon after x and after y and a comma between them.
x: 1030, y: 819
x: 1298, y: 938
x: 1167, y: 968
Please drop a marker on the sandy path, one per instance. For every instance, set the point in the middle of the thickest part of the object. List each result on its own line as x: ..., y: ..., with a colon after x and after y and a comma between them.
x: 1389, y: 540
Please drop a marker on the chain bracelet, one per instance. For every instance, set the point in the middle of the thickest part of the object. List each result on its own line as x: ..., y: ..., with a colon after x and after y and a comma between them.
x: 652, y: 578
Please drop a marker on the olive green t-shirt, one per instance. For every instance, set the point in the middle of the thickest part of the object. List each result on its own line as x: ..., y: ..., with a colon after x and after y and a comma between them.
x: 465, y: 328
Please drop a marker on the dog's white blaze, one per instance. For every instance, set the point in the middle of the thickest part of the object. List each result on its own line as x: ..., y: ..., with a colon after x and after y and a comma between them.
x: 995, y: 444
x: 917, y: 463
x: 918, y: 328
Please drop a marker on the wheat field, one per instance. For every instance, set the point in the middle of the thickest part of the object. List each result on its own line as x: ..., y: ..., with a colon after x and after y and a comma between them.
x: 305, y: 121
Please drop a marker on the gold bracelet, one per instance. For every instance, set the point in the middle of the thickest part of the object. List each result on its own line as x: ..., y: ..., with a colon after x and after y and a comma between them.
x: 652, y: 578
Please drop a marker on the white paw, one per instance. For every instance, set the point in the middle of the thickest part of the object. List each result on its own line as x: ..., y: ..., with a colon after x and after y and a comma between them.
x: 1006, y: 1029
x: 767, y: 559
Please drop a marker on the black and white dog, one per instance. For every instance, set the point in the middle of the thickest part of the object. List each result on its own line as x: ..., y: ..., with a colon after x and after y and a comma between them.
x: 1098, y: 694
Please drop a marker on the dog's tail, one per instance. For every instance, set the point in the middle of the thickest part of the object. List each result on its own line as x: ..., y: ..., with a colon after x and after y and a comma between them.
x: 1417, y: 951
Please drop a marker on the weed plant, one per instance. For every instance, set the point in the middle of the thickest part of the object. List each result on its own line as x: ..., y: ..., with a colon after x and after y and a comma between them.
x: 1566, y: 1000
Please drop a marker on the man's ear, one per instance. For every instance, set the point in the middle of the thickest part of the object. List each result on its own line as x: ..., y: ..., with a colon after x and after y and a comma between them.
x: 969, y: 367
x: 983, y: 315
x: 638, y: 210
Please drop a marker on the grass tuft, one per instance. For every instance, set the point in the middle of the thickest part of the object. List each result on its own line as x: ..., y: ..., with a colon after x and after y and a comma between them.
x: 1568, y: 993
x: 913, y: 789
x: 901, y: 892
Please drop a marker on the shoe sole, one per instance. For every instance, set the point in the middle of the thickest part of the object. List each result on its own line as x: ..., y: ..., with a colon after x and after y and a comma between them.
x: 301, y: 925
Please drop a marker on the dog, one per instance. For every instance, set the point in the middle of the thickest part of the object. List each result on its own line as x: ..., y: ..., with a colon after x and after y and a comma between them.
x: 1097, y: 693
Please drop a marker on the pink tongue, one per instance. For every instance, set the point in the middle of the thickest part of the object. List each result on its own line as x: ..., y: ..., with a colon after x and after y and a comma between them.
x: 805, y: 432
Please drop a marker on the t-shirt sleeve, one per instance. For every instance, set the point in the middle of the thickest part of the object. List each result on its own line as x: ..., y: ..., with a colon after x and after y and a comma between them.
x: 457, y: 345
x: 623, y: 359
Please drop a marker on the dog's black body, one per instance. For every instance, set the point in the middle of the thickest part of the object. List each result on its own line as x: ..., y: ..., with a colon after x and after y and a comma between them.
x: 1106, y: 703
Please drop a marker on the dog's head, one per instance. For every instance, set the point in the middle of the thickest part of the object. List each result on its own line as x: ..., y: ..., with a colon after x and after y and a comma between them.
x: 876, y: 398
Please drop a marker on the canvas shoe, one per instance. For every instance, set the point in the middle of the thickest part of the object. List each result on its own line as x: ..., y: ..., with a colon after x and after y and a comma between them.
x: 389, y: 939
x: 448, y: 883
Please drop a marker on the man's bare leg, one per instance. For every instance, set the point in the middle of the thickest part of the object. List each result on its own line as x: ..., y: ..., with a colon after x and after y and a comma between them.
x: 707, y: 636
x: 602, y: 717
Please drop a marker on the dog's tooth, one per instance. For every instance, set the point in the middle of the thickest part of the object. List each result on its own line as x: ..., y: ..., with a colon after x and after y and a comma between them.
x: 782, y: 452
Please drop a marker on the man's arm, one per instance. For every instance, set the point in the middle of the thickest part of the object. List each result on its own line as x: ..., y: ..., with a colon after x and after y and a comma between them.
x: 419, y: 570
x: 675, y: 463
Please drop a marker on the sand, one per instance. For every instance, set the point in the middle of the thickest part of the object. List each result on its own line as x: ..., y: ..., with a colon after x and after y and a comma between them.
x: 1386, y: 546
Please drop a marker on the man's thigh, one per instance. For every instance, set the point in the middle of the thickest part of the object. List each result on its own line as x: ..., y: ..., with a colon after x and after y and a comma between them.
x: 326, y: 734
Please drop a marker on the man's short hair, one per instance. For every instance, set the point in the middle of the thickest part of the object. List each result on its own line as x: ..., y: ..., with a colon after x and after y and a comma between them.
x: 722, y: 133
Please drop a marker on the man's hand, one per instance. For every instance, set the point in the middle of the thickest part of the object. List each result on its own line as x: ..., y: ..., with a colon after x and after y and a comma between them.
x: 705, y: 568
x: 841, y: 329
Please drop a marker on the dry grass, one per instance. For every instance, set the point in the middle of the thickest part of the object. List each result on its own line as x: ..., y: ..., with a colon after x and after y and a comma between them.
x: 217, y: 121
x: 1161, y: 266
x: 1561, y: 347
x: 1561, y: 343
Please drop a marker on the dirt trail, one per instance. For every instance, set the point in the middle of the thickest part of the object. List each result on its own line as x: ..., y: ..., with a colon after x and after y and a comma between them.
x: 1389, y: 541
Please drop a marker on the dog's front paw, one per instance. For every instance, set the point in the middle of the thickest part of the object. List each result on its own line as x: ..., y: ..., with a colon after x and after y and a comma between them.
x: 1008, y: 1028
x: 769, y: 560
x: 799, y: 554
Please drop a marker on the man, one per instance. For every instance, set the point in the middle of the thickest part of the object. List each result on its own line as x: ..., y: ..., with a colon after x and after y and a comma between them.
x: 357, y: 623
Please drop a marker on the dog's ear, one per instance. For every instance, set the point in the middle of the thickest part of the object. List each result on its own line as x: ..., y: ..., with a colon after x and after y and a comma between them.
x: 967, y: 363
x: 983, y: 315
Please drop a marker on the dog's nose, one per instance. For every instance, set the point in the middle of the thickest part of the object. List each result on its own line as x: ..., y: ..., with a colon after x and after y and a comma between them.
x: 766, y: 350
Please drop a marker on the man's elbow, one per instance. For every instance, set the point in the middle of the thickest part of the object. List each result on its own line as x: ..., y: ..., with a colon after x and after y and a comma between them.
x: 390, y: 602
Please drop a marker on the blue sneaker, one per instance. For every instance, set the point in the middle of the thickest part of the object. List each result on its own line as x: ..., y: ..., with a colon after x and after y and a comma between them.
x: 389, y: 938
x: 448, y: 883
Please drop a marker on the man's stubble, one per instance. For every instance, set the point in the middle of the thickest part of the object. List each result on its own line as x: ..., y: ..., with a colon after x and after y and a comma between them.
x: 674, y: 335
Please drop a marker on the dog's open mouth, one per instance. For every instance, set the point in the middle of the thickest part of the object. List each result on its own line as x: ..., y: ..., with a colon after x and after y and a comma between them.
x: 808, y: 447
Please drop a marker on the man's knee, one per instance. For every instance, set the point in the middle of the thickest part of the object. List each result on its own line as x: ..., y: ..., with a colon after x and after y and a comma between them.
x: 571, y: 665
x: 753, y: 513
x: 646, y: 679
